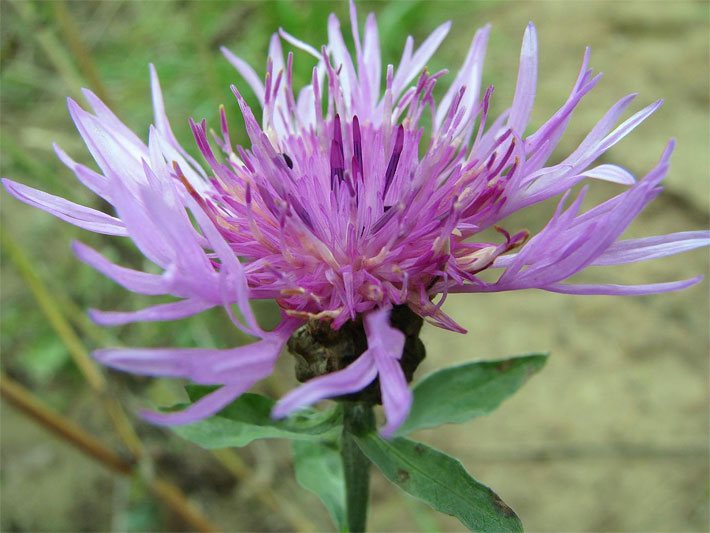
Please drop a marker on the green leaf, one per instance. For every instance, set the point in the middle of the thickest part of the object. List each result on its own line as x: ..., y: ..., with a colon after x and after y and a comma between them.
x: 440, y: 481
x: 459, y: 393
x: 43, y: 360
x: 319, y: 469
x: 249, y: 418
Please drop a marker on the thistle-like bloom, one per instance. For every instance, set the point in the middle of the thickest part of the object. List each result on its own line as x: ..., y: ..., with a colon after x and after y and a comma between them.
x: 344, y: 207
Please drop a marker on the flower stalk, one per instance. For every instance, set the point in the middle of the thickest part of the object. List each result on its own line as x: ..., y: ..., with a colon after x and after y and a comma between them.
x: 358, y: 419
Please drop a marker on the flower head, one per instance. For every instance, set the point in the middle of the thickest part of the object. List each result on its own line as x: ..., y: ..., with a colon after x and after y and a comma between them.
x: 344, y: 207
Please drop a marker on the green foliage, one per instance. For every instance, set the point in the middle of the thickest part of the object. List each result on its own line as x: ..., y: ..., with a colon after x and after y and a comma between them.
x: 440, y: 481
x: 459, y: 393
x: 319, y: 469
x: 47, y: 356
x: 248, y: 418
x: 451, y: 395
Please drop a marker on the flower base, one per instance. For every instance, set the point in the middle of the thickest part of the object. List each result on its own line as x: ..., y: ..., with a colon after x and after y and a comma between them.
x: 320, y: 350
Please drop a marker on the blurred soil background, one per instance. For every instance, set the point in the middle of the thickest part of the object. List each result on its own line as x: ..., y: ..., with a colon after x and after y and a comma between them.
x: 611, y: 436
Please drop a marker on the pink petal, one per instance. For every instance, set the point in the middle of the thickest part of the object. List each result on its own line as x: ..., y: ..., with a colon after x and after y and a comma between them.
x: 97, y: 183
x: 156, y: 313
x: 386, y: 344
x: 632, y: 250
x: 250, y: 362
x: 353, y: 378
x: 469, y: 76
x: 396, y: 394
x: 527, y: 81
x: 248, y: 73
x: 622, y: 290
x: 133, y: 280
x: 412, y: 66
x: 204, y: 407
x: 79, y: 215
x: 610, y: 173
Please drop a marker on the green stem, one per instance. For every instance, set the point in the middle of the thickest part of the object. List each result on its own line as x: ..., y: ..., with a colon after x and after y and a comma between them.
x: 358, y: 419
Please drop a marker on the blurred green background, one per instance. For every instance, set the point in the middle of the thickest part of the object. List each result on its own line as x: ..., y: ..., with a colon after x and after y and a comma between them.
x: 612, y: 436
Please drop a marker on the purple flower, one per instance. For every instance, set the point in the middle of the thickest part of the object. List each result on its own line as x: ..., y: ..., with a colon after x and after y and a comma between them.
x: 336, y: 212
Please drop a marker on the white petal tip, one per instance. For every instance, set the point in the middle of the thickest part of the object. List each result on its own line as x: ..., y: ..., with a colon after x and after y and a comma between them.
x: 443, y: 29
x: 529, y: 40
x: 72, y: 105
x: 279, y: 412
x: 61, y: 154
x: 626, y: 99
x: 668, y: 150
x: 8, y: 184
x: 531, y: 33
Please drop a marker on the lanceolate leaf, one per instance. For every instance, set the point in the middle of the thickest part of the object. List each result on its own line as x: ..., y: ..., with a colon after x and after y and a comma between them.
x: 440, y: 481
x: 458, y: 393
x: 320, y: 470
x: 249, y: 418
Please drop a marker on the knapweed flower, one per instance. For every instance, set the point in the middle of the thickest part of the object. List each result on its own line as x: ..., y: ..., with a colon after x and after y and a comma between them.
x: 344, y: 208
